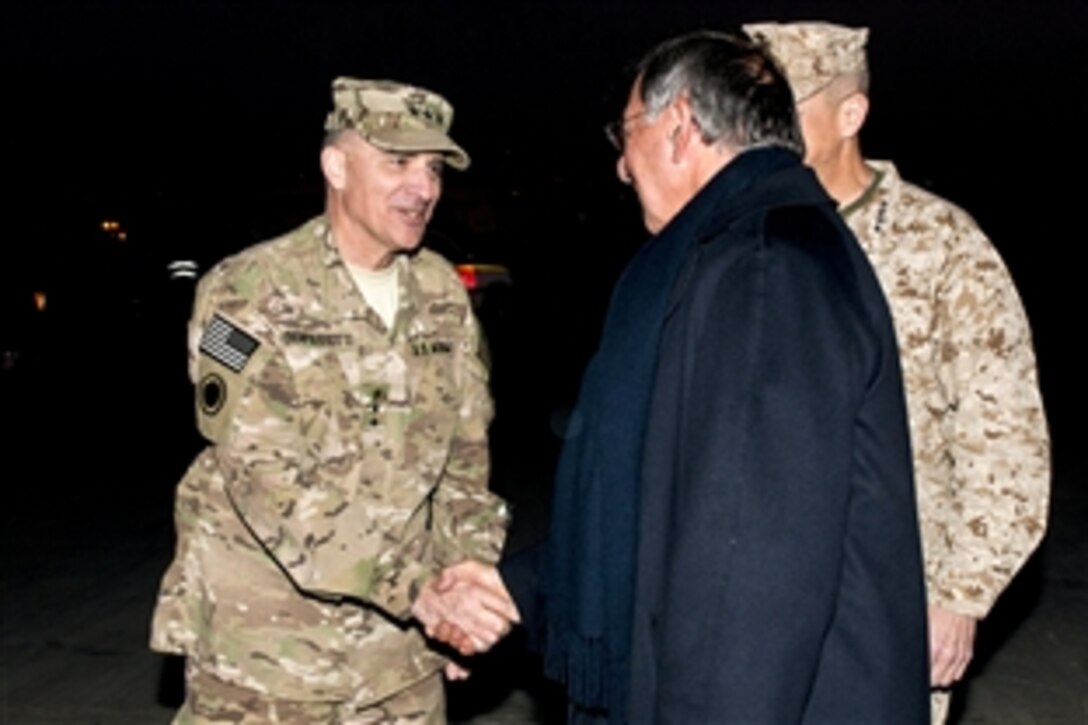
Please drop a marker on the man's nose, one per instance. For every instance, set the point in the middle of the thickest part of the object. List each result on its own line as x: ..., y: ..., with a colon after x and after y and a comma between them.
x: 426, y: 182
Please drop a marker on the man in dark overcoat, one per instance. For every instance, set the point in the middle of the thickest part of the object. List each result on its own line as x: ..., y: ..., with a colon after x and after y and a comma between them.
x: 734, y: 536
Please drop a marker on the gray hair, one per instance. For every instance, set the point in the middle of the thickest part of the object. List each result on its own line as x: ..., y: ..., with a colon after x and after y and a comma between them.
x: 332, y: 138
x: 739, y: 96
x: 847, y: 84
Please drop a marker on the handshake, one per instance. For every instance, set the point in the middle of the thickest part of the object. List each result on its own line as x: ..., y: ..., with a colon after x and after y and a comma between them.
x: 467, y: 607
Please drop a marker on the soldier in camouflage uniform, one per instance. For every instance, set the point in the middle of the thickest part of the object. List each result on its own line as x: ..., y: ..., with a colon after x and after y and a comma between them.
x: 981, y: 447
x: 339, y: 386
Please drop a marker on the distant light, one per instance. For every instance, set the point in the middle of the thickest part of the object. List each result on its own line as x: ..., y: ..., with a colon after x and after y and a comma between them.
x: 467, y: 273
x: 39, y: 301
x: 182, y: 269
x: 111, y: 225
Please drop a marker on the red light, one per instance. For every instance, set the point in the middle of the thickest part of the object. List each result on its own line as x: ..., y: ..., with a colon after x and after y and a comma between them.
x: 467, y: 272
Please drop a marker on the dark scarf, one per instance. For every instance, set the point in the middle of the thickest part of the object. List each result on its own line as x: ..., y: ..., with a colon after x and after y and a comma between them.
x: 588, y: 577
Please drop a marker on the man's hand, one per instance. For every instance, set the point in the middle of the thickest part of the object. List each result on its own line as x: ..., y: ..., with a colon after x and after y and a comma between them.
x: 951, y: 645
x: 467, y: 607
x: 455, y: 672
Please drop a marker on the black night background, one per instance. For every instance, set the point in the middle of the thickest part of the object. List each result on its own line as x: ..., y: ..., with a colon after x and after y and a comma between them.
x: 136, y: 133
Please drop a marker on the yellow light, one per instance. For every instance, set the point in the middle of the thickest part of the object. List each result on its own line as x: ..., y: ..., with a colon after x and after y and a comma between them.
x: 39, y: 301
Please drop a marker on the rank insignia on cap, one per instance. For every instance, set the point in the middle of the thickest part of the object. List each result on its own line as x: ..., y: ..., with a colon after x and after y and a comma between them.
x: 227, y: 344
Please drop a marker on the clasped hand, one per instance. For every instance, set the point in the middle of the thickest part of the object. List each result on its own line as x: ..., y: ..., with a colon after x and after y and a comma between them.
x: 467, y: 607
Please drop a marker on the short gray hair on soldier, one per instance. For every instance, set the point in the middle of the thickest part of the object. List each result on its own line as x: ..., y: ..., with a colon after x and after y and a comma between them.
x: 847, y: 84
x: 331, y: 138
x: 739, y: 96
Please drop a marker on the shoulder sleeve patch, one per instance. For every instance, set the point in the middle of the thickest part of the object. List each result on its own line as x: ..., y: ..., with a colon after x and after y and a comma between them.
x: 227, y: 343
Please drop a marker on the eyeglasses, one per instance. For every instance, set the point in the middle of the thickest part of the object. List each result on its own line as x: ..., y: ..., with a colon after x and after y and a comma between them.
x: 616, y: 131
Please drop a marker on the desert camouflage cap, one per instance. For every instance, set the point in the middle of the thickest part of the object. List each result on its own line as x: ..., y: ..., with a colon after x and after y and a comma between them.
x: 813, y: 54
x: 395, y: 117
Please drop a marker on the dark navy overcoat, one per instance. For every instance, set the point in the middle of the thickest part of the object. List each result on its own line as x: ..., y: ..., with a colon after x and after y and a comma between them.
x: 779, y: 566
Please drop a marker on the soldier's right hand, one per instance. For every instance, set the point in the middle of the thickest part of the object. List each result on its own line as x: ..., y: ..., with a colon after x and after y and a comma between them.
x: 466, y: 607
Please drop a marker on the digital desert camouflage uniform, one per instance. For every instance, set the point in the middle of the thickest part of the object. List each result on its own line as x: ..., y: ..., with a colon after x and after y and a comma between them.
x: 348, y: 464
x: 978, y: 432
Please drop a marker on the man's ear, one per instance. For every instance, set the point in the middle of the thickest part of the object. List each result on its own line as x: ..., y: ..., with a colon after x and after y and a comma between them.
x: 853, y: 110
x: 334, y: 166
x: 683, y: 130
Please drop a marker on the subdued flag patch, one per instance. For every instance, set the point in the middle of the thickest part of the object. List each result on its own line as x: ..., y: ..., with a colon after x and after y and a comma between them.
x: 227, y: 344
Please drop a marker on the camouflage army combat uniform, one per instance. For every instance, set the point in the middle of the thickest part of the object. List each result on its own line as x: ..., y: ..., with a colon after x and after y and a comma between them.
x: 979, y: 435
x: 348, y: 465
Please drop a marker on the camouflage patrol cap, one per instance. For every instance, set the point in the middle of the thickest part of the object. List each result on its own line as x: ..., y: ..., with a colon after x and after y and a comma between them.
x: 395, y: 117
x: 813, y: 54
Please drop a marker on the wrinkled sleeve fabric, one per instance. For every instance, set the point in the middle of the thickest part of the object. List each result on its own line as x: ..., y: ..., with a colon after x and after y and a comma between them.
x: 469, y: 520
x: 995, y: 427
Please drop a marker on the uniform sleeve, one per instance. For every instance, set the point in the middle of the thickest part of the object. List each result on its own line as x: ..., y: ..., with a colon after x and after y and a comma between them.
x: 469, y: 521
x: 995, y: 426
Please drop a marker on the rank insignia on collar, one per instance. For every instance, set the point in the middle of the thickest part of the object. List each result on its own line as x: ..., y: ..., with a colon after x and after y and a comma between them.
x: 228, y: 344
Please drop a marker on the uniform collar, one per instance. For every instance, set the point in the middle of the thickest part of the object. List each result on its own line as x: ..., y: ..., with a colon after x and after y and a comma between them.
x: 869, y: 214
x: 344, y: 301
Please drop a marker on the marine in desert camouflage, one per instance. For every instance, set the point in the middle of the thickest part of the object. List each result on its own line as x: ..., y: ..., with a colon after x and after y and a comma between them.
x: 978, y: 429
